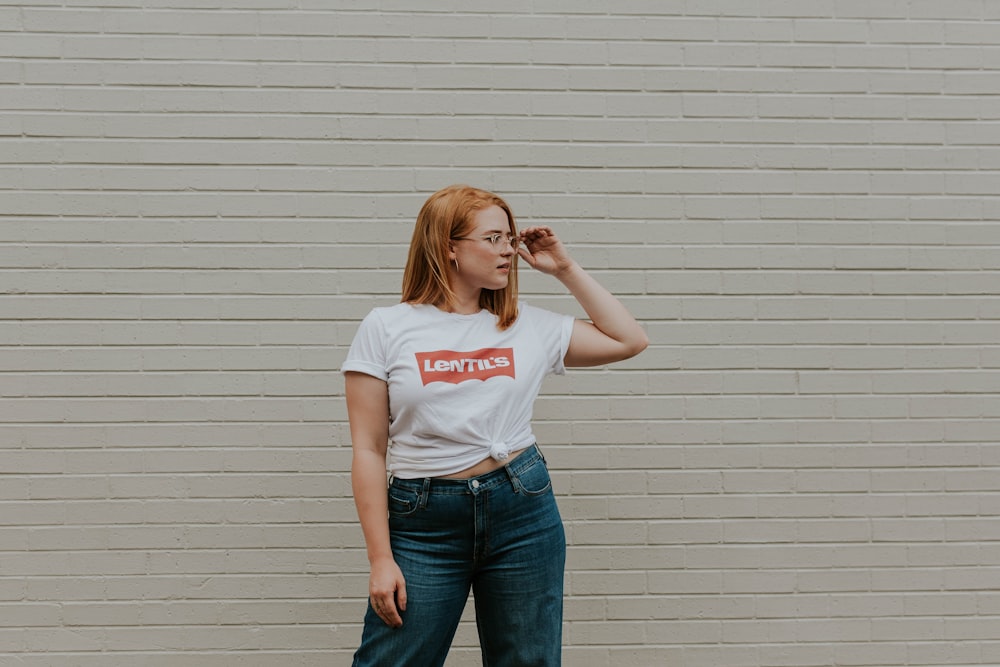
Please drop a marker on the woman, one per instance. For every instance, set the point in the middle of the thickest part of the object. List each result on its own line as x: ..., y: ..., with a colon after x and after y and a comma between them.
x: 448, y: 377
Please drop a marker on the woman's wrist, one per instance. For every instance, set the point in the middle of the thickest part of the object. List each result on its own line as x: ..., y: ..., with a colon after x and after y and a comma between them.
x: 568, y: 272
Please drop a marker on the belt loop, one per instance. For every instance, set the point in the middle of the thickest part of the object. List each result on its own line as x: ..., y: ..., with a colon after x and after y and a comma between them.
x: 424, y: 493
x: 514, y: 481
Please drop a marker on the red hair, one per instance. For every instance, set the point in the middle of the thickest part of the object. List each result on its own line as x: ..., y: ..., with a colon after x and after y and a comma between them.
x: 447, y: 214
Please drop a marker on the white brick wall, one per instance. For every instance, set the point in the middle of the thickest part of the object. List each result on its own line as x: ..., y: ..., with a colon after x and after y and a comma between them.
x: 199, y: 201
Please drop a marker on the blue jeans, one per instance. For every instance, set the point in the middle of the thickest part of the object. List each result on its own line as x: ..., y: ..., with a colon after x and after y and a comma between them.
x: 499, y: 534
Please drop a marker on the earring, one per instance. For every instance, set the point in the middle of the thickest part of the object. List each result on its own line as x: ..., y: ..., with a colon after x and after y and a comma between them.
x: 456, y: 263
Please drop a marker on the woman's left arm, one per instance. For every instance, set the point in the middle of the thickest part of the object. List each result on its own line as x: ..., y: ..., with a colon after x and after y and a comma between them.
x: 613, y: 334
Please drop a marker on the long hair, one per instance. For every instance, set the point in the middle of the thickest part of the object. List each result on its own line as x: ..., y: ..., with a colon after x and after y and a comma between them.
x: 447, y: 214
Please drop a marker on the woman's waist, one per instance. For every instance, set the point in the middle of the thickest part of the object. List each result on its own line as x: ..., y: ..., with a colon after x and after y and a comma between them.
x: 487, y: 465
x: 470, y: 478
x: 432, y: 457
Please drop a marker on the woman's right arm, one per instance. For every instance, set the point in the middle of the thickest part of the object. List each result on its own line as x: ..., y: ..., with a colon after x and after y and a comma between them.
x: 368, y: 412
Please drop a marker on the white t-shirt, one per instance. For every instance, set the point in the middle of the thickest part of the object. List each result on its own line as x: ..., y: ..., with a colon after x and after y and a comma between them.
x: 459, y: 388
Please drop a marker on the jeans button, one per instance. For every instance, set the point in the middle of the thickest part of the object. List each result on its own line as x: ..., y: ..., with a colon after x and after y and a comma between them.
x: 475, y: 483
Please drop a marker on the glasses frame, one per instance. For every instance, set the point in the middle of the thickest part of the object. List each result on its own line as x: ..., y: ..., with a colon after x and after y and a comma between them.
x: 494, y: 240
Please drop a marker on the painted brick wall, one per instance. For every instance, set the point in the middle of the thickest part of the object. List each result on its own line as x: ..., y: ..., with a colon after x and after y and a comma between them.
x: 199, y: 201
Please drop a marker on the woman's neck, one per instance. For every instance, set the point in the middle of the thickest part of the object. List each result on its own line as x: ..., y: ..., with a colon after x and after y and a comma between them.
x: 467, y: 304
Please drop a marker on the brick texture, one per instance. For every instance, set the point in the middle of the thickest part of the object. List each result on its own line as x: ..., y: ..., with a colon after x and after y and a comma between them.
x: 199, y: 201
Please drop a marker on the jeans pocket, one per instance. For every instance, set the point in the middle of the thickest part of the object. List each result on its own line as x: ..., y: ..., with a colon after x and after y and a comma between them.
x: 534, y: 480
x: 403, y: 502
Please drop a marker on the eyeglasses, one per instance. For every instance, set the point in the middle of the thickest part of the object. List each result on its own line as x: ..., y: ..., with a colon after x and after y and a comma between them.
x: 495, y: 240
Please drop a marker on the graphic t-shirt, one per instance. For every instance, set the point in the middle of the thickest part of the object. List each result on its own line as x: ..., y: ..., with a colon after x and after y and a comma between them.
x: 459, y: 388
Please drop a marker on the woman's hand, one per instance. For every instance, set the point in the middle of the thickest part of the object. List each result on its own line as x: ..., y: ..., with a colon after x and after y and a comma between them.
x: 543, y: 250
x: 387, y: 591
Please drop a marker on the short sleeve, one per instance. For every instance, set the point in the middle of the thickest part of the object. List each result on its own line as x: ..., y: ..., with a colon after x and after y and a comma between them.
x: 565, y: 333
x: 367, y: 353
x: 553, y: 331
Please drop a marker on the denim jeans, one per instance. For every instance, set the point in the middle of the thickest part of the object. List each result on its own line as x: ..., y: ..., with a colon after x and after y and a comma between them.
x: 499, y: 535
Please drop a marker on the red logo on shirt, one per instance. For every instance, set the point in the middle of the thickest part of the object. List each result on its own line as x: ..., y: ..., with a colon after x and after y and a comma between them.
x: 455, y: 367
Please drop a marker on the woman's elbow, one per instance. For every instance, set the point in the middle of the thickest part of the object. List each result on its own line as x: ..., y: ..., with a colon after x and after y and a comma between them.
x: 632, y: 346
x: 640, y: 343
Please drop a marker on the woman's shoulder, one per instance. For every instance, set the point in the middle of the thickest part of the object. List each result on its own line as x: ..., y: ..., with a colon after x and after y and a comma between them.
x: 407, y: 315
x: 393, y: 312
x: 531, y: 313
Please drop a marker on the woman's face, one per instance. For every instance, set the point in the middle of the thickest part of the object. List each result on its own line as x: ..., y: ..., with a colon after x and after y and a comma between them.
x: 481, y: 264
